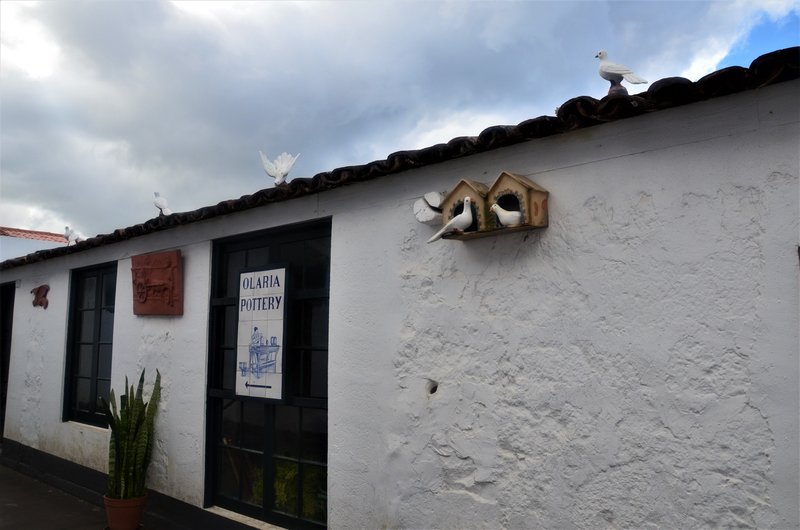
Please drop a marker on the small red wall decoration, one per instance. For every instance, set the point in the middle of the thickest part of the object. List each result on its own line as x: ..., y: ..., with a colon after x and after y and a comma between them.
x: 40, y: 296
x: 157, y: 283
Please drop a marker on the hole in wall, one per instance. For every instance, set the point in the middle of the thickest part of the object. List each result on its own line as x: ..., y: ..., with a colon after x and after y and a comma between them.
x: 432, y: 387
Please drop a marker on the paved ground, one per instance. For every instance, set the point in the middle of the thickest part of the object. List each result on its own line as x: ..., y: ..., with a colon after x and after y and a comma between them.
x: 27, y: 504
x: 30, y: 504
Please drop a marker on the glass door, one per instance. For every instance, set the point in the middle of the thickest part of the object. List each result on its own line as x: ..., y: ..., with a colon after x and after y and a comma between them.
x: 269, y: 460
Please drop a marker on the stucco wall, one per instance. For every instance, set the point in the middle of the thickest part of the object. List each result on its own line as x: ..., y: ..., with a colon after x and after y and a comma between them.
x: 174, y: 345
x: 634, y: 364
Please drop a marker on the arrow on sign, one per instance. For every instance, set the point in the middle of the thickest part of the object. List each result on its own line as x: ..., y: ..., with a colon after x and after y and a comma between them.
x: 248, y: 385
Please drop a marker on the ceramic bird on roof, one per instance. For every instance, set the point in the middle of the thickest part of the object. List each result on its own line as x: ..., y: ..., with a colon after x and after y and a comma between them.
x: 506, y: 217
x: 161, y: 203
x: 458, y: 223
x: 72, y: 236
x: 614, y: 73
x: 280, y: 168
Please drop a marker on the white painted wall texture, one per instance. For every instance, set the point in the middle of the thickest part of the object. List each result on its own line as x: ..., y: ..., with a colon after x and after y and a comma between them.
x: 633, y: 365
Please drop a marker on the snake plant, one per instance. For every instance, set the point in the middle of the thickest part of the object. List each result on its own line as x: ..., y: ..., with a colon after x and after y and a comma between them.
x: 131, y: 444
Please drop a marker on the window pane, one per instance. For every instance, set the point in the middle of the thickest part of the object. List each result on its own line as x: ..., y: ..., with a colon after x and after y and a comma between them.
x: 258, y: 257
x: 109, y: 289
x: 229, y: 369
x: 85, y: 360
x: 229, y: 335
x: 106, y: 325
x: 87, y: 326
x: 319, y: 323
x: 104, y: 361
x: 287, y: 424
x: 316, y: 263
x: 88, y: 293
x: 227, y: 472
x: 316, y: 384
x: 83, y: 394
x: 236, y: 262
x: 252, y: 478
x: 286, y: 487
x: 253, y: 428
x: 315, y: 492
x: 103, y: 390
x: 231, y: 417
x: 292, y: 253
x: 292, y: 383
x: 315, y: 435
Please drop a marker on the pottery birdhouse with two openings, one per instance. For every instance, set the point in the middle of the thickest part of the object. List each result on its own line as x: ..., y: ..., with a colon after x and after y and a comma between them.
x: 453, y: 205
x: 518, y: 193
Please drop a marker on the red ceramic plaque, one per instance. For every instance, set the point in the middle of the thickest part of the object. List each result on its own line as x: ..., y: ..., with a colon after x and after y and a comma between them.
x: 158, y: 283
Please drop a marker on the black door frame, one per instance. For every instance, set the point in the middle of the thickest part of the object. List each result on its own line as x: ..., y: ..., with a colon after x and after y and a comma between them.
x: 218, y: 393
x: 7, y: 294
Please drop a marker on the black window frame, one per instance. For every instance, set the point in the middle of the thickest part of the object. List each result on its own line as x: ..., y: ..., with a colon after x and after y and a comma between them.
x: 105, y: 277
x: 301, y: 391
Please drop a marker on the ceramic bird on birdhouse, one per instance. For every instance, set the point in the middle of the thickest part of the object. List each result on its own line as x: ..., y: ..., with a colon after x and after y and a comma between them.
x: 506, y: 217
x: 457, y: 224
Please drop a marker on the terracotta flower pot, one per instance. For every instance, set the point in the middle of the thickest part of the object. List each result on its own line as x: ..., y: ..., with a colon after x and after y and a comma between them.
x: 124, y: 514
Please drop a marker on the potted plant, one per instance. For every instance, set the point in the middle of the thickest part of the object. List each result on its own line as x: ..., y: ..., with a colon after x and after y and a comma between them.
x: 129, y: 450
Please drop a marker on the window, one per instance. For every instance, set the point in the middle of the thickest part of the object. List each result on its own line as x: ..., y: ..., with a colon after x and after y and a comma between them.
x: 264, y: 459
x: 91, y: 329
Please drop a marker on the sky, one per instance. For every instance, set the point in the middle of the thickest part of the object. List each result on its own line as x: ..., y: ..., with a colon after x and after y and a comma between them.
x: 104, y: 102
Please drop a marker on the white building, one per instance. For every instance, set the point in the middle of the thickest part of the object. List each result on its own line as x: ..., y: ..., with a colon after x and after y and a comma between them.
x: 632, y: 365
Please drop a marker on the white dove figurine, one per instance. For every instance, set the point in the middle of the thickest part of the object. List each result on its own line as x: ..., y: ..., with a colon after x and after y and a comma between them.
x: 280, y: 167
x: 458, y: 223
x: 161, y: 203
x: 72, y: 236
x: 506, y: 217
x: 615, y: 73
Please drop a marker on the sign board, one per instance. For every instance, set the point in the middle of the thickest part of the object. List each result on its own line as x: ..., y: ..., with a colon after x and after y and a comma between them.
x: 259, y: 344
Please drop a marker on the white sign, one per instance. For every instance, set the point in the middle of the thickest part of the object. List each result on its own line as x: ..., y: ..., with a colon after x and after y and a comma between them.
x: 259, y: 346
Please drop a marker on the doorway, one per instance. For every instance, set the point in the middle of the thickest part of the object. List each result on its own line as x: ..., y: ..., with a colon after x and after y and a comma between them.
x: 268, y: 459
x: 7, y: 292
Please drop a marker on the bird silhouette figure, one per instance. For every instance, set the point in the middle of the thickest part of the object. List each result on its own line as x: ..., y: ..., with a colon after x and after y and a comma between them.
x: 279, y: 169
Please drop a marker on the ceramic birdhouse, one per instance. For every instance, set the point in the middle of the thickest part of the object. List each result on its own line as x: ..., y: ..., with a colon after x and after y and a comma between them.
x: 517, y: 193
x: 453, y: 205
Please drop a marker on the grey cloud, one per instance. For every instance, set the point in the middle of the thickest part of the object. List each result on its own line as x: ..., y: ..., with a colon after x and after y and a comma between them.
x: 153, y: 98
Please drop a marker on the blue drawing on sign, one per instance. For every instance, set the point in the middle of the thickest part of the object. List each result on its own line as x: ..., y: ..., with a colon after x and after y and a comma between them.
x: 263, y: 356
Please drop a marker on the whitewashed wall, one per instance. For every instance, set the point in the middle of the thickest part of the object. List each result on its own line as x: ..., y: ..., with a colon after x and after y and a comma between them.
x: 176, y: 346
x: 635, y: 364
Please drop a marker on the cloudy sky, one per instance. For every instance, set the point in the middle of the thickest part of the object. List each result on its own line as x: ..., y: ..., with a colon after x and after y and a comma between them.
x: 104, y: 102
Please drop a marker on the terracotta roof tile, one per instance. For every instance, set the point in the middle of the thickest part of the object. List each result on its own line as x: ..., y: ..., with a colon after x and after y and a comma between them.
x: 576, y: 113
x: 31, y: 234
